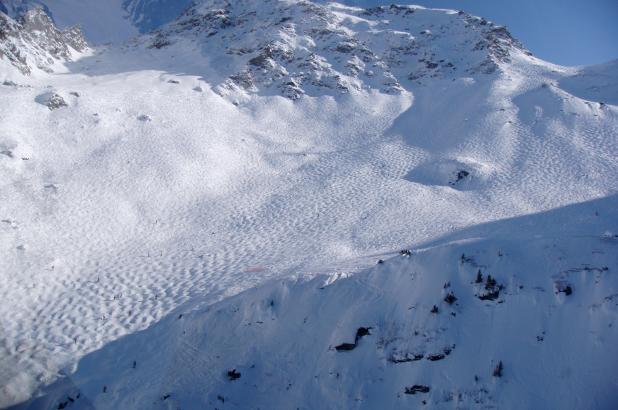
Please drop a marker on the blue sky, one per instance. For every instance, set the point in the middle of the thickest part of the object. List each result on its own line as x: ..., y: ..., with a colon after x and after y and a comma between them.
x: 567, y: 32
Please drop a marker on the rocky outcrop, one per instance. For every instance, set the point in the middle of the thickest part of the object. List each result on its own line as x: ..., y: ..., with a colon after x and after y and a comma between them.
x: 33, y: 41
x: 51, y: 100
x: 302, y: 48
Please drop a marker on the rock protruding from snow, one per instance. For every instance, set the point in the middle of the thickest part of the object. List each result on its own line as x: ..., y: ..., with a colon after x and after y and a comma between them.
x: 52, y: 100
x: 258, y: 356
x: 33, y: 41
x: 305, y: 48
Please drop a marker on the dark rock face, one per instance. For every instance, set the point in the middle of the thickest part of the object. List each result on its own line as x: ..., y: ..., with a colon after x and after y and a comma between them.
x: 435, y: 357
x: 360, y: 333
x: 34, y: 41
x: 498, y: 370
x: 417, y: 388
x: 461, y: 174
x: 233, y: 374
x: 344, y: 347
x: 563, y: 287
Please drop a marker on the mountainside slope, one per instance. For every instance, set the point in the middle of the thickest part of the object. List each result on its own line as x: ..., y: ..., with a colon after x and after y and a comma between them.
x: 151, y: 14
x: 298, y: 47
x: 34, y: 42
x: 427, y: 328
x: 103, y: 21
x: 242, y: 144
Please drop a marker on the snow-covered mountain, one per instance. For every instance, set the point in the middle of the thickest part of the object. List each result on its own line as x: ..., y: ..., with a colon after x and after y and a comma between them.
x: 16, y: 8
x: 148, y: 15
x: 33, y: 42
x: 103, y: 21
x: 299, y: 47
x: 296, y: 204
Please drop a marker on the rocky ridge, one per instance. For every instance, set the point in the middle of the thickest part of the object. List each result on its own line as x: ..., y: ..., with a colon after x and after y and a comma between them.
x: 298, y: 48
x: 33, y: 41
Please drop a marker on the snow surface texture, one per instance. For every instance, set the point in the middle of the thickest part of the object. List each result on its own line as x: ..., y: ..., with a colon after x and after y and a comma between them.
x: 286, y: 341
x: 242, y: 144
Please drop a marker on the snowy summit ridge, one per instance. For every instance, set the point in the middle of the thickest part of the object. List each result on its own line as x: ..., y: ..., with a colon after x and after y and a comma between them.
x: 299, y: 47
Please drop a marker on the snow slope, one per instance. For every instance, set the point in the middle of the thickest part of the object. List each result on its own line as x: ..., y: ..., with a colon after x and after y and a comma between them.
x: 595, y: 83
x: 243, y: 144
x: 557, y: 350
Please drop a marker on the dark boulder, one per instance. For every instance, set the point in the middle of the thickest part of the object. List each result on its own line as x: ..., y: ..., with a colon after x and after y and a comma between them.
x: 233, y: 374
x: 436, y: 357
x: 417, y: 388
x: 343, y: 347
x: 361, y: 332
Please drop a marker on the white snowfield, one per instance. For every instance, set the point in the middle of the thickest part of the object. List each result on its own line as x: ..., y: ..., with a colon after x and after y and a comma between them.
x: 193, y: 219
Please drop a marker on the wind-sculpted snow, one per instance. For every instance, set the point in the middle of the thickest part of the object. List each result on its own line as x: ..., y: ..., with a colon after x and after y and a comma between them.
x: 240, y: 145
x: 425, y: 328
x: 595, y: 83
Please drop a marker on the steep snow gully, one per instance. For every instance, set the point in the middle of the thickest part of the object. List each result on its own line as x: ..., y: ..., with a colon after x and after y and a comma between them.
x: 294, y: 204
